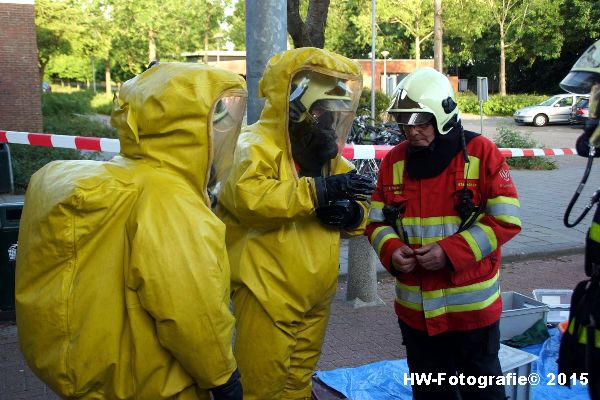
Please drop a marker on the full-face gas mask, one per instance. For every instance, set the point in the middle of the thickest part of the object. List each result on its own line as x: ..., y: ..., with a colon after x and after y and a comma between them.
x: 227, y: 115
x: 321, y: 108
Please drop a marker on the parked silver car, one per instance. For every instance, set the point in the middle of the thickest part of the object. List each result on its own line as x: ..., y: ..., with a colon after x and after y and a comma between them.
x: 580, y: 111
x: 556, y: 109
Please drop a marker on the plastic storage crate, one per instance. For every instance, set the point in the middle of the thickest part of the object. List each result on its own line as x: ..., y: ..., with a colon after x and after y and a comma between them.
x: 520, y: 363
x: 558, y: 302
x: 519, y: 313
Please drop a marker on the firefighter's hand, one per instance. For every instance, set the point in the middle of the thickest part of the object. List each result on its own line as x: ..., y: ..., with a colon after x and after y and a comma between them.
x: 431, y: 257
x: 403, y: 259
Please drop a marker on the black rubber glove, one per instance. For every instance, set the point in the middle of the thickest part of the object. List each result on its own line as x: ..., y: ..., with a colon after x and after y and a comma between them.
x: 342, y: 214
x: 343, y: 186
x: 230, y: 390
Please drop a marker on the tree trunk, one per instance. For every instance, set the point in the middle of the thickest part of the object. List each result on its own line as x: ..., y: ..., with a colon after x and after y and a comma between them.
x: 309, y: 33
x: 42, y: 68
x: 438, y: 52
x: 151, y: 46
x: 502, y: 78
x: 206, y: 47
x: 417, y: 51
x: 107, y: 79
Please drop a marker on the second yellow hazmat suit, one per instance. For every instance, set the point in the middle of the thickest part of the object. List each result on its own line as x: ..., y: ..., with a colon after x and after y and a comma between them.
x: 122, y: 281
x: 284, y: 261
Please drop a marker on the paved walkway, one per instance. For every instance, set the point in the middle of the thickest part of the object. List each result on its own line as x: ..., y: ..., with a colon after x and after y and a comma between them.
x: 358, y: 336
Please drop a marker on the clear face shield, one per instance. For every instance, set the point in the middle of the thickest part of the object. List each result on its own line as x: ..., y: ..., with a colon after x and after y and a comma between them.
x: 321, y: 111
x: 226, y: 117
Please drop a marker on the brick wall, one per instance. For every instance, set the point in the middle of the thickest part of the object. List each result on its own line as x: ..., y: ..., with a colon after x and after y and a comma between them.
x: 20, y: 90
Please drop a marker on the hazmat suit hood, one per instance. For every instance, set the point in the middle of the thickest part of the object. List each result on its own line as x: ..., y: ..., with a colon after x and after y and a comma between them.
x: 162, y: 115
x: 122, y: 280
x: 276, y: 86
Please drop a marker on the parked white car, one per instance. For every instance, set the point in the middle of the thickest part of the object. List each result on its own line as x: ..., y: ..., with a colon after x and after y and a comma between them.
x: 555, y: 110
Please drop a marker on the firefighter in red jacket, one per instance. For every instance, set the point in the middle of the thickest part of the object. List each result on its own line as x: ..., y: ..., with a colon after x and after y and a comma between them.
x: 444, y: 205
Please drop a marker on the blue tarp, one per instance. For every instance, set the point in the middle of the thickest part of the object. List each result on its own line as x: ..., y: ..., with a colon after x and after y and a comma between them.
x: 384, y: 380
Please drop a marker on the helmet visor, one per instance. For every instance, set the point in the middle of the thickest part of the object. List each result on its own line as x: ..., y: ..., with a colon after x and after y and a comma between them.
x: 321, y: 110
x: 585, y: 73
x: 413, y: 118
x: 580, y: 82
x: 227, y: 116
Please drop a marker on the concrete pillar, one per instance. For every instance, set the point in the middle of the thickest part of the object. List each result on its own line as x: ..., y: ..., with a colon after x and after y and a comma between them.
x: 362, y: 273
x: 266, y: 35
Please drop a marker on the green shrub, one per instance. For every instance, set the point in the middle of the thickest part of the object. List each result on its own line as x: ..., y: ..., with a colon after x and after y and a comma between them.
x: 496, y: 104
x: 66, y: 104
x: 382, y: 101
x: 78, y: 125
x: 102, y: 103
x: 511, y: 138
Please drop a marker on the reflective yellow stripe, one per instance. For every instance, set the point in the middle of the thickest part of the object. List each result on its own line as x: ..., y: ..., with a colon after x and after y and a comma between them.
x: 472, y: 244
x: 422, y: 231
x: 505, y: 209
x: 408, y: 288
x: 412, y: 306
x: 377, y: 204
x: 409, y: 296
x: 463, y: 307
x: 452, y: 219
x: 381, y: 235
x: 398, y: 174
x: 481, y: 239
x: 583, y: 334
x: 472, y: 168
x: 376, y: 212
x: 437, y: 302
x: 375, y: 215
x: 505, y: 200
x: 509, y: 219
x: 595, y: 232
x: 432, y: 294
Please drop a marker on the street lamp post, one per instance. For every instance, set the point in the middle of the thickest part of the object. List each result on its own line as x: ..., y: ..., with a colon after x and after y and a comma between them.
x: 385, y: 53
x: 373, y: 57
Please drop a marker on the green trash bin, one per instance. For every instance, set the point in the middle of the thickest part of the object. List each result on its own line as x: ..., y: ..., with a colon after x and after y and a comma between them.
x: 10, y: 216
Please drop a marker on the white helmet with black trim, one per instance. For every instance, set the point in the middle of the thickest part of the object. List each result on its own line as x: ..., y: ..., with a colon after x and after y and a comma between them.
x: 585, y: 72
x: 422, y: 95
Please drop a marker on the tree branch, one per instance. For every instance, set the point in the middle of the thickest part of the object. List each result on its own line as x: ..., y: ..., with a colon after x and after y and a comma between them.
x: 315, y: 21
x: 424, y: 38
x: 296, y: 27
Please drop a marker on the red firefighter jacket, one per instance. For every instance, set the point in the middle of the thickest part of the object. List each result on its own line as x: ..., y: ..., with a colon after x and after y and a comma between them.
x: 466, y: 295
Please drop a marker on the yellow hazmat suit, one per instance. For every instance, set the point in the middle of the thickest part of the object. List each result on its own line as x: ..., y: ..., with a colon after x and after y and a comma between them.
x: 284, y: 261
x: 122, y: 281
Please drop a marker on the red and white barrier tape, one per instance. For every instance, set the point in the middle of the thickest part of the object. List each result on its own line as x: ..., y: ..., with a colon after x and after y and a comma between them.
x: 358, y: 151
x: 351, y: 151
x: 64, y: 141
